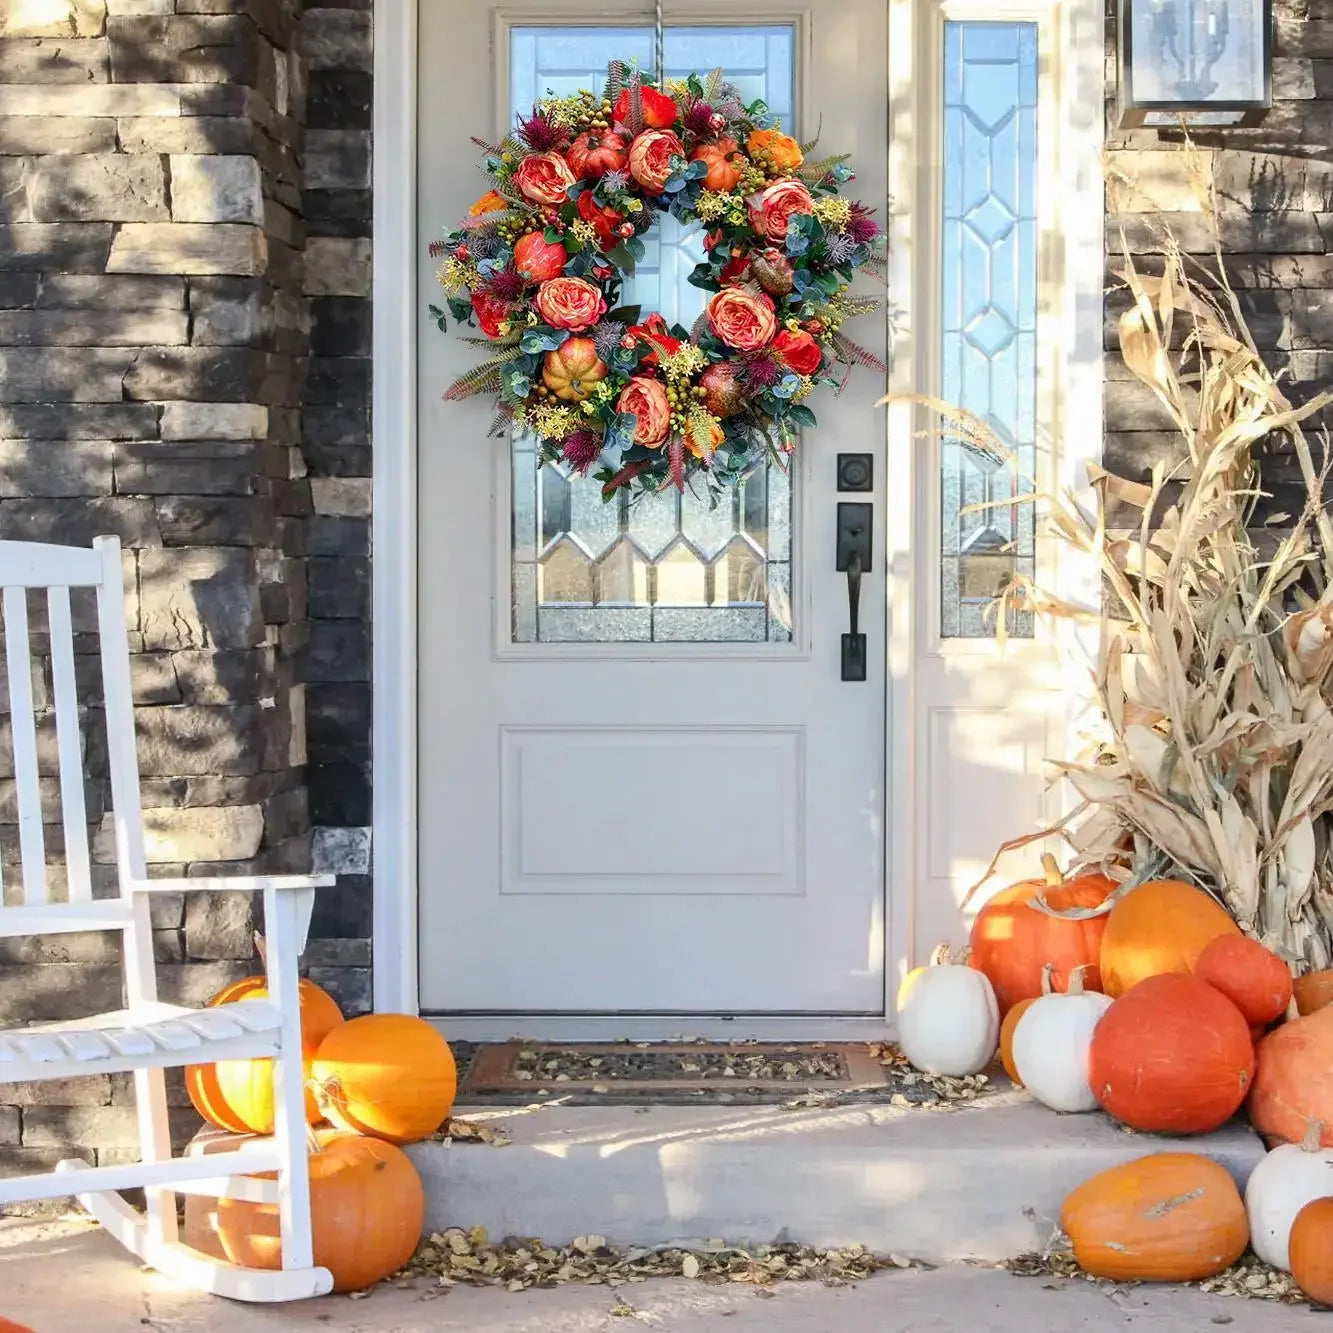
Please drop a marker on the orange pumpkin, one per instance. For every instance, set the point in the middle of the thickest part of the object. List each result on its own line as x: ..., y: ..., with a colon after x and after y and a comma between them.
x: 1007, y: 1029
x: 1013, y: 939
x: 237, y: 1095
x: 1253, y: 978
x: 1313, y: 991
x: 573, y: 370
x: 1293, y: 1081
x: 1171, y: 1055
x: 595, y: 152
x: 724, y: 169
x: 390, y: 1075
x: 9, y: 1326
x: 1168, y: 1217
x: 367, y: 1211
x: 1311, y: 1250
x: 1162, y: 926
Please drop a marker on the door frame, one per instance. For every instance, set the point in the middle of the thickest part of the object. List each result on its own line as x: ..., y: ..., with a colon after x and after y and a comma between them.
x: 1073, y: 41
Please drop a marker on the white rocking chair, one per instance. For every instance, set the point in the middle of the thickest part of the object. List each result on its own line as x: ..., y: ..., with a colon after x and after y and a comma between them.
x: 148, y: 1037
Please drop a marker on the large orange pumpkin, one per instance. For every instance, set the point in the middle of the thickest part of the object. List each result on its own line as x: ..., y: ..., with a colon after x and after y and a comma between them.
x: 390, y: 1075
x: 1253, y: 978
x: 573, y: 370
x: 1169, y: 1217
x: 1161, y: 926
x: 237, y: 1095
x: 1311, y: 1250
x: 367, y: 1211
x: 1313, y: 991
x: 724, y: 164
x: 1293, y: 1083
x: 1171, y: 1055
x: 1013, y: 939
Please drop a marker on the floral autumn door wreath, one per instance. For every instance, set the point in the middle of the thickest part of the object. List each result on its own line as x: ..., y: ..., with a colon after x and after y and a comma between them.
x: 541, y: 258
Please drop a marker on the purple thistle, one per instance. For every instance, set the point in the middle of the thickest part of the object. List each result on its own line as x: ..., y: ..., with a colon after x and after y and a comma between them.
x: 841, y: 248
x: 615, y: 181
x: 484, y: 245
x: 862, y: 227
x: 582, y: 449
x: 538, y: 133
x: 506, y: 284
x: 762, y: 371
x: 606, y: 338
x: 697, y: 119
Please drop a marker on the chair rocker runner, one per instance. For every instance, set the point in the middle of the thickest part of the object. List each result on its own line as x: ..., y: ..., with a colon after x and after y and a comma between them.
x: 147, y: 1037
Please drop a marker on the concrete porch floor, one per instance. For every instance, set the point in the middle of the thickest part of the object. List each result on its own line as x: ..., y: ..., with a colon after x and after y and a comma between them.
x: 984, y: 1181
x: 69, y: 1278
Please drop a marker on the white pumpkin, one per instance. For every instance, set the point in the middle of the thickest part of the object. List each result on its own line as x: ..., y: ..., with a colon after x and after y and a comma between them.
x: 1281, y: 1185
x: 1052, y: 1040
x: 948, y: 1018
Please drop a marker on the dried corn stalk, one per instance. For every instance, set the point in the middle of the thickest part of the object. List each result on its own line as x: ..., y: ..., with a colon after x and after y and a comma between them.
x: 1215, y: 667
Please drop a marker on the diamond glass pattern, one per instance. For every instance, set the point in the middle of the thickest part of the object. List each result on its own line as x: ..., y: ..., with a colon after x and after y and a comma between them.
x: 989, y: 281
x: 666, y: 568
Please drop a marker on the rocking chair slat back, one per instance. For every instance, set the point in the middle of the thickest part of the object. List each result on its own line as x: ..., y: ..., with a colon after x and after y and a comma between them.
x: 69, y: 746
x: 23, y: 733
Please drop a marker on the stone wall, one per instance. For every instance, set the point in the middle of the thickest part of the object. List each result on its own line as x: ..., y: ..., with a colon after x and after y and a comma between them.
x: 1274, y: 187
x: 157, y: 315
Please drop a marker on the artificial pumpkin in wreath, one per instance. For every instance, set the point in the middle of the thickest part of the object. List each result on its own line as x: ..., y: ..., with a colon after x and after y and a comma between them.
x: 540, y: 261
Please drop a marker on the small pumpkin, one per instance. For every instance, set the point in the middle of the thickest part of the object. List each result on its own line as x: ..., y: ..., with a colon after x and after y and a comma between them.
x: 724, y: 164
x: 1313, y: 991
x: 1172, y: 1055
x: 389, y: 1075
x: 1293, y: 1080
x: 1282, y: 1183
x: 948, y: 1021
x: 367, y: 1210
x: 573, y: 370
x: 1012, y: 938
x: 1310, y: 1250
x: 537, y: 259
x: 595, y: 152
x: 1051, y: 1046
x: 1168, y: 1217
x: 1161, y: 926
x: 1252, y: 977
x: 237, y: 1095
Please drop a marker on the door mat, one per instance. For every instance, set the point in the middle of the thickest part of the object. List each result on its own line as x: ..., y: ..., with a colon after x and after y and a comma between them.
x: 816, y: 1073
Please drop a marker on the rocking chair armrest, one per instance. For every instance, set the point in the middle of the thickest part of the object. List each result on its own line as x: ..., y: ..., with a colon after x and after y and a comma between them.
x: 234, y: 883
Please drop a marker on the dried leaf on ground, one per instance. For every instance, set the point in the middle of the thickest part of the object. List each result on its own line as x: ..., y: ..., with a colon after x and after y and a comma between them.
x: 473, y: 1131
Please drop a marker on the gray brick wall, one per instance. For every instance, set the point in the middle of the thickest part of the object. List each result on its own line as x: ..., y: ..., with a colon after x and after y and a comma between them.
x: 1274, y: 187
x: 156, y: 382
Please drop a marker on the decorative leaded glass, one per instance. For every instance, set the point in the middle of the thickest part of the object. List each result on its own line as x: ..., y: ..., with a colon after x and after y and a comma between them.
x: 668, y: 567
x: 989, y: 299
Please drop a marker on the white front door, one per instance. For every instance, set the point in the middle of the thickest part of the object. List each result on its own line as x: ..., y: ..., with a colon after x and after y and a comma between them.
x: 644, y: 786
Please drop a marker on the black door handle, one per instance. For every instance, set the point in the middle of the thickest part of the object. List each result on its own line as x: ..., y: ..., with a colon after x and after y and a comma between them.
x: 855, y: 525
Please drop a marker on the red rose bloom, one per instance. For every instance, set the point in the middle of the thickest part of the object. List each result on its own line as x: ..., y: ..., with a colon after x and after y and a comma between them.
x: 490, y: 311
x: 655, y: 326
x: 799, y: 350
x: 570, y: 303
x: 771, y: 208
x: 650, y: 158
x: 659, y: 110
x: 537, y: 259
x: 544, y: 178
x: 742, y: 319
x: 646, y: 398
x: 604, y: 220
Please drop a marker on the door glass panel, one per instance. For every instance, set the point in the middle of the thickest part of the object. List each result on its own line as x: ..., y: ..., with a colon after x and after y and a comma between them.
x: 989, y: 298
x: 666, y: 567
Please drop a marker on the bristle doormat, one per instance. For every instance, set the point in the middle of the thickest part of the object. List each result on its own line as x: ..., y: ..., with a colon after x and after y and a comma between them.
x: 720, y: 1072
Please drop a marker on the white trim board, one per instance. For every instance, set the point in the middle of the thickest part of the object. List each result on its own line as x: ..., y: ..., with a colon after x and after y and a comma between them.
x: 1073, y: 39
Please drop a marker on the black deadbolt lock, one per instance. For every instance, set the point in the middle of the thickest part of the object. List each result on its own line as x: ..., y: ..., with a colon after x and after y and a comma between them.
x: 856, y: 472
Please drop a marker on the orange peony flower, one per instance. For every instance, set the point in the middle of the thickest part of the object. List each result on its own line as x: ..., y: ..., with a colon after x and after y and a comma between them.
x: 799, y: 350
x: 537, y: 260
x: 773, y: 206
x: 604, y: 220
x: 742, y: 319
x: 490, y: 202
x: 650, y: 158
x: 544, y: 178
x: 646, y: 398
x: 490, y: 311
x: 570, y: 303
x: 772, y: 147
x: 659, y: 110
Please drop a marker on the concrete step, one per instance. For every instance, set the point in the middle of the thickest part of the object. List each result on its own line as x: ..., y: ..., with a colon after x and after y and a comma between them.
x: 983, y: 1181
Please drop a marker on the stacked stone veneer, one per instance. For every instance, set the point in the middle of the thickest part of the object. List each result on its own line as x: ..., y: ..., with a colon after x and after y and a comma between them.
x: 1274, y: 188
x: 174, y: 246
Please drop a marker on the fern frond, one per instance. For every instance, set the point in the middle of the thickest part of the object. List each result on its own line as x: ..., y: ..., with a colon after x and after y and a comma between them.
x: 510, y: 339
x: 615, y: 81
x: 485, y: 378
x: 676, y: 460
x: 856, y: 355
x: 501, y: 421
x: 713, y: 86
x: 634, y: 120
x: 811, y: 172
